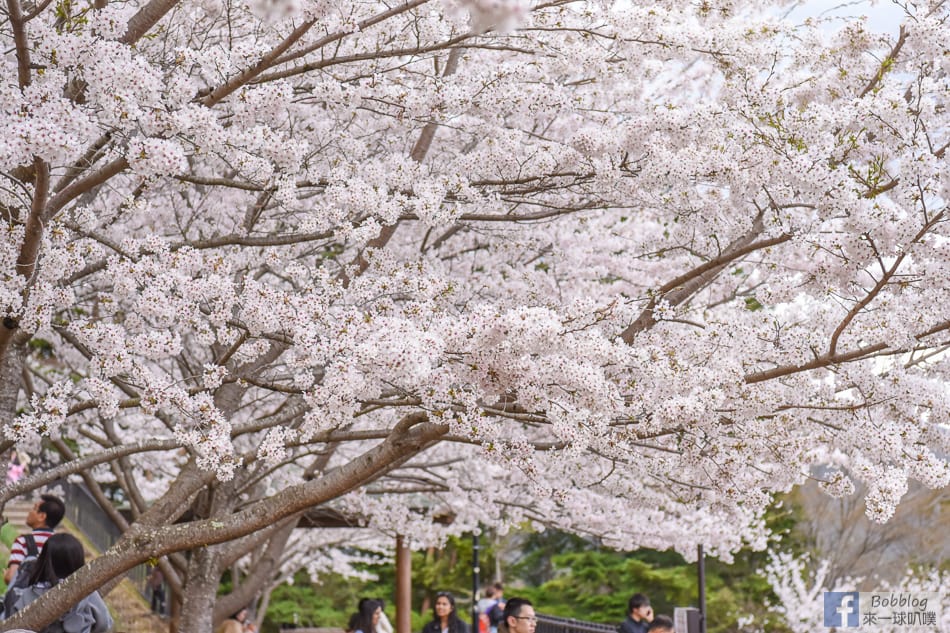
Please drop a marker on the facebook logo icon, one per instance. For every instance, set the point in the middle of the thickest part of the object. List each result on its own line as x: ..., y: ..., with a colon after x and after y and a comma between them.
x: 841, y: 608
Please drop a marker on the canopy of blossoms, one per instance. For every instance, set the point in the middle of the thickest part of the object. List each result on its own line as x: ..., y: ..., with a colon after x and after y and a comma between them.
x: 625, y: 268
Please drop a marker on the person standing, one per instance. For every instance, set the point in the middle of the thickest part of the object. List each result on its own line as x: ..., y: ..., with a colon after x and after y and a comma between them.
x: 383, y: 625
x: 445, y: 618
x: 488, y: 599
x: 483, y: 606
x: 156, y: 585
x: 496, y: 613
x: 639, y: 614
x: 366, y: 618
x: 42, y: 518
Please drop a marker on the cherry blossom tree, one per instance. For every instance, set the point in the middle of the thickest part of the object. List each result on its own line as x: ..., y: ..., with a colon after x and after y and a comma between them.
x: 845, y: 539
x: 799, y: 584
x: 632, y: 267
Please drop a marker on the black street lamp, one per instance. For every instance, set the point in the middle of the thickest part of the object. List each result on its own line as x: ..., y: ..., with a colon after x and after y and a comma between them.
x: 475, y: 570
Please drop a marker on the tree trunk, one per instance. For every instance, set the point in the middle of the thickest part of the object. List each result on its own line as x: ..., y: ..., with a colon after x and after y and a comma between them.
x: 201, y: 590
x: 11, y: 364
x: 174, y: 616
x: 264, y: 569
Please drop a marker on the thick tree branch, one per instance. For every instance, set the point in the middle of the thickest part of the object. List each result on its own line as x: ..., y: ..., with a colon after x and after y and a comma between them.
x: 147, y: 17
x: 33, y: 237
x: 93, y: 153
x: 882, y: 282
x: 78, y: 465
x: 26, y: 264
x: 82, y: 185
x: 268, y: 60
x: 682, y: 287
x: 20, y: 41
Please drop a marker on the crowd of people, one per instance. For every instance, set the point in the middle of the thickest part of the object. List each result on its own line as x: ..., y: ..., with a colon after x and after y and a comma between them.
x: 498, y: 615
x: 512, y: 616
x: 41, y: 558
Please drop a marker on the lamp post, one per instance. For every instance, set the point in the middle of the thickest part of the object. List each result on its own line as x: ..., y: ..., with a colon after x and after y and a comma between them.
x: 475, y: 570
x: 701, y: 569
x: 403, y: 586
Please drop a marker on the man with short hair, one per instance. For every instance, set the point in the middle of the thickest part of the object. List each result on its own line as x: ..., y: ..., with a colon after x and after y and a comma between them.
x: 520, y: 616
x: 45, y: 515
x: 661, y: 624
x: 488, y: 599
x: 639, y: 614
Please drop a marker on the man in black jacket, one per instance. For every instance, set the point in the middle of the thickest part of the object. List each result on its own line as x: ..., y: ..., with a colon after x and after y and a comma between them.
x: 639, y: 614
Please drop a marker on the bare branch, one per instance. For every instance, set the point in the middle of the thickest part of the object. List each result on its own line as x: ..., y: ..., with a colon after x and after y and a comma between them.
x: 20, y: 41
x: 80, y: 464
x: 682, y: 287
x: 887, y: 63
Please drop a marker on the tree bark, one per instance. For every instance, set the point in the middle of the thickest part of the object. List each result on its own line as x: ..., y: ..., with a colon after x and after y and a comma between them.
x: 10, y: 365
x: 147, y: 17
x: 258, y: 577
x: 201, y: 589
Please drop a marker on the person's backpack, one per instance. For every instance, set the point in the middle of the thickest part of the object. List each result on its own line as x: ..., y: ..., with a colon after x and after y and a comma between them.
x: 483, y: 625
x: 496, y: 614
x: 485, y: 622
x: 23, y: 573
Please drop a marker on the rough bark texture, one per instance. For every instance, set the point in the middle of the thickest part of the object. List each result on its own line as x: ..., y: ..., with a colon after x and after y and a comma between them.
x: 200, y: 591
x: 11, y: 364
x: 146, y: 18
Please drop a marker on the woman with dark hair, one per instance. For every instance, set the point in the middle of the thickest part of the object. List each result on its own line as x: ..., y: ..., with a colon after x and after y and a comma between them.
x: 60, y: 557
x: 366, y: 617
x: 383, y: 625
x: 354, y: 624
x: 237, y: 623
x: 445, y: 618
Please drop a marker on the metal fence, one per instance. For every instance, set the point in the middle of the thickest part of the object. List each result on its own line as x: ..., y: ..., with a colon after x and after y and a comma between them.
x: 85, y: 513
x: 554, y: 624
